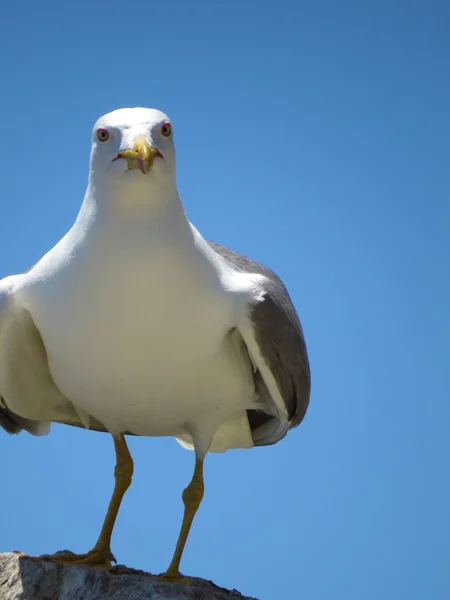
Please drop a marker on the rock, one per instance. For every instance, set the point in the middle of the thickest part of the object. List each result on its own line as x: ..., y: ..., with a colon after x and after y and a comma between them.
x: 24, y: 578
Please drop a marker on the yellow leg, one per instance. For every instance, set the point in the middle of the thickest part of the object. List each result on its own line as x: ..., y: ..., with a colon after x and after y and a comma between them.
x: 101, y: 555
x: 192, y: 497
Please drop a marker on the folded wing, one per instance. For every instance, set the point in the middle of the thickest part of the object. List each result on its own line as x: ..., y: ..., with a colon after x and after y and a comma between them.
x: 29, y: 398
x: 276, y: 346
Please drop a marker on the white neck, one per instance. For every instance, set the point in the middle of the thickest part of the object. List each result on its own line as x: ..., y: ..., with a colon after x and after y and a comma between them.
x: 134, y: 214
x: 133, y: 202
x: 131, y: 191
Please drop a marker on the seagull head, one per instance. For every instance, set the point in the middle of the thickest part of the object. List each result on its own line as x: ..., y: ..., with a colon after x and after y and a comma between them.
x: 133, y: 149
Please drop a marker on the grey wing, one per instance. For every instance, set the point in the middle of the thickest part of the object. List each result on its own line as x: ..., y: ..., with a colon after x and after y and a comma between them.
x: 277, y: 348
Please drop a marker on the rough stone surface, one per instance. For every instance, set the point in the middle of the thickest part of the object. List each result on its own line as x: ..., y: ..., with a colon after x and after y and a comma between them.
x: 23, y: 578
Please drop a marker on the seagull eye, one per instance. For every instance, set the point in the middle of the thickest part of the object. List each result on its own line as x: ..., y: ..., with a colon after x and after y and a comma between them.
x: 166, y: 130
x: 103, y: 135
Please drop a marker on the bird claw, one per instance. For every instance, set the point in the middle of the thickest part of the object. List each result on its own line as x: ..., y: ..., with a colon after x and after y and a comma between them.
x: 101, y: 558
x: 176, y: 577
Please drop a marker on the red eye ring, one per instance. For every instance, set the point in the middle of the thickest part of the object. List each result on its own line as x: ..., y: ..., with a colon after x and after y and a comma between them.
x: 103, y: 135
x: 166, y: 130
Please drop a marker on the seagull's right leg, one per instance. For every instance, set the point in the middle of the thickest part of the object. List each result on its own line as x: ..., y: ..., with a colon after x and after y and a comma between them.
x: 101, y: 555
x: 192, y: 497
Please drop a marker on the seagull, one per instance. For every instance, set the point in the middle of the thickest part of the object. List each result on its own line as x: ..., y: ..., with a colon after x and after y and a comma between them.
x: 134, y: 324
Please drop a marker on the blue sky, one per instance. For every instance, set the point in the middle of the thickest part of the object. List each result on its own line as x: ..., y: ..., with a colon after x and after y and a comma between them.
x: 312, y: 136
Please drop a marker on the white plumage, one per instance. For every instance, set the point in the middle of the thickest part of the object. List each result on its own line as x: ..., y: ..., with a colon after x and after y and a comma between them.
x: 133, y: 321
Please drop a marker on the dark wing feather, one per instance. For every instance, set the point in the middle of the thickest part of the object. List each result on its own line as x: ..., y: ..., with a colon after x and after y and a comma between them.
x: 9, y: 421
x: 280, y: 338
x: 12, y: 423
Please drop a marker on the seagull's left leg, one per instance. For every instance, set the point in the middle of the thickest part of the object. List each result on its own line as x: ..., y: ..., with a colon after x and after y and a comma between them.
x: 101, y: 555
x: 192, y: 497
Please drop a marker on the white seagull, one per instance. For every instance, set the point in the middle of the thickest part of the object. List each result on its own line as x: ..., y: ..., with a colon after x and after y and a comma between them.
x: 134, y: 324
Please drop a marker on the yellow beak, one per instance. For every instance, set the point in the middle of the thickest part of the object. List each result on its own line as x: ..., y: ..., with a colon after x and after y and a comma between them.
x: 141, y: 156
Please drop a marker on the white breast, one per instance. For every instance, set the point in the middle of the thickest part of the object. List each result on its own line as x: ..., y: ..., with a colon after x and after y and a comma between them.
x: 135, y: 329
